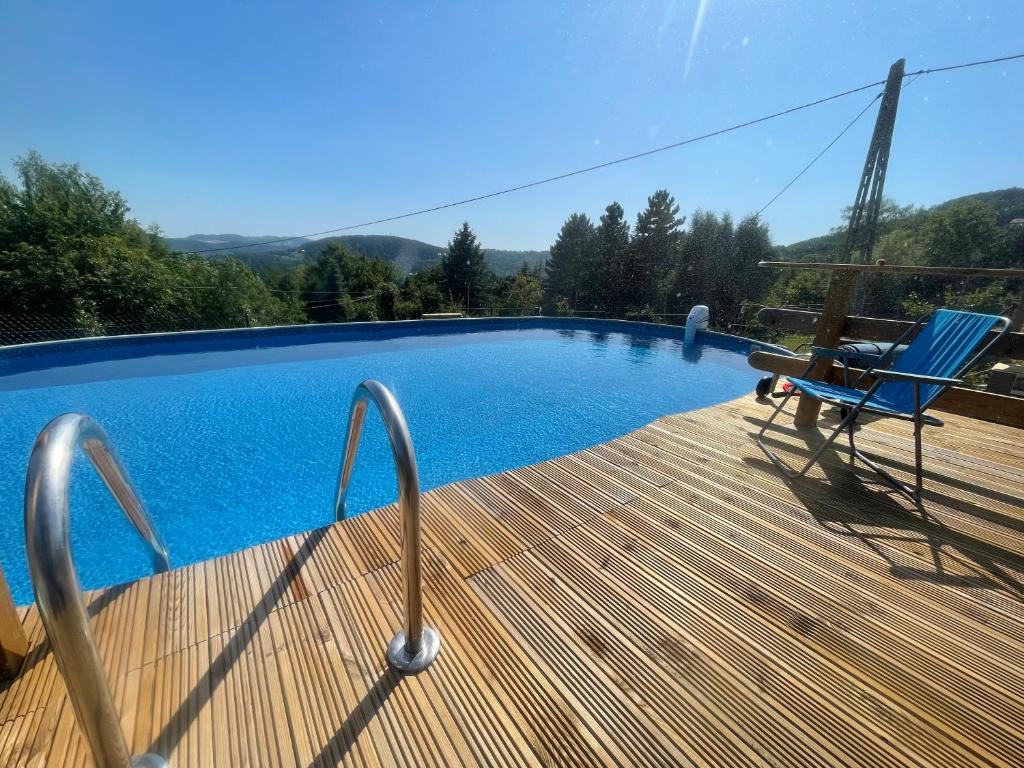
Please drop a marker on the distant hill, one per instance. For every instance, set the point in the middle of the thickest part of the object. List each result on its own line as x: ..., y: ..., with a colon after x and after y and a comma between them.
x: 508, y: 262
x: 407, y: 254
x: 205, y: 242
x: 1007, y: 203
x: 812, y: 249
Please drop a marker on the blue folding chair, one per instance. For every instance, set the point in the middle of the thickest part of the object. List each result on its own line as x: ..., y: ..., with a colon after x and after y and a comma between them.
x: 941, y: 348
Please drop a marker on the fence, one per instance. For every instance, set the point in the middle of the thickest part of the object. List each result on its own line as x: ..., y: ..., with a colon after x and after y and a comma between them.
x: 26, y: 329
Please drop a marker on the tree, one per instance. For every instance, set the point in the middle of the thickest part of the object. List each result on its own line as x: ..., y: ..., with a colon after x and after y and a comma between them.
x: 72, y: 261
x: 702, y: 258
x: 803, y: 289
x: 239, y: 298
x: 655, y: 246
x: 962, y: 235
x: 523, y: 292
x: 326, y: 290
x: 615, y: 268
x: 341, y: 286
x: 744, y: 279
x: 387, y: 301
x: 60, y: 207
x: 719, y: 265
x: 464, y: 272
x: 571, y: 267
x: 536, y: 271
x: 421, y: 292
x: 1014, y: 247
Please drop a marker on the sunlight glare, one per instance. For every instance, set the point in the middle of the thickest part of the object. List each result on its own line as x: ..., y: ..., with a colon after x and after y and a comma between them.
x: 695, y: 36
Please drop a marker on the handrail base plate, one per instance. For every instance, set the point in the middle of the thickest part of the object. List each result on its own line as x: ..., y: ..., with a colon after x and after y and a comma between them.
x: 149, y: 760
x: 409, y: 664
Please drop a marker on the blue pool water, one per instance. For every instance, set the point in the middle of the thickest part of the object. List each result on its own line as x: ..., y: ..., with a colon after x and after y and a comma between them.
x: 235, y: 440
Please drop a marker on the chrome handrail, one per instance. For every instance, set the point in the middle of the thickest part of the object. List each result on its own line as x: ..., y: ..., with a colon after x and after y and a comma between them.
x: 415, y: 646
x: 55, y: 580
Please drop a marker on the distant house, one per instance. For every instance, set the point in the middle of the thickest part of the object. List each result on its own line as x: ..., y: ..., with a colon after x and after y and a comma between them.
x: 1018, y: 222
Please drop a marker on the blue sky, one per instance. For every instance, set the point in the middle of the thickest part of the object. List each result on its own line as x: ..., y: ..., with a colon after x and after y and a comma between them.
x: 285, y: 118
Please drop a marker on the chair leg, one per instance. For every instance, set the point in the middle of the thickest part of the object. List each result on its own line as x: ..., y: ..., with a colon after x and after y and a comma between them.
x: 789, y: 473
x: 918, y: 426
x: 760, y: 435
x: 847, y: 424
x: 919, y: 485
x: 760, y: 443
x: 853, y: 447
x: 914, y: 494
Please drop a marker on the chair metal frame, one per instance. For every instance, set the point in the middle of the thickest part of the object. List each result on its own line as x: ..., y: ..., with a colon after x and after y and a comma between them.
x: 881, y: 374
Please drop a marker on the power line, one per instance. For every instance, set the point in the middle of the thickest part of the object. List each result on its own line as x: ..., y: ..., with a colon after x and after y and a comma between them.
x: 912, y: 77
x: 910, y: 82
x: 818, y: 156
x: 609, y: 163
x: 321, y: 304
x: 550, y: 179
x: 965, y: 65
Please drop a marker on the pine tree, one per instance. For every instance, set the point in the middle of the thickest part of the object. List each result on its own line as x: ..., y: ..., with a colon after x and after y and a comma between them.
x: 655, y: 247
x: 572, y: 264
x: 719, y: 265
x: 327, y: 289
x: 464, y: 272
x: 615, y: 267
x: 751, y: 244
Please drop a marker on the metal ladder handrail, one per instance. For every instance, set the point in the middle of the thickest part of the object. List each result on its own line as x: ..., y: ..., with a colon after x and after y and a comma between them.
x: 415, y: 646
x: 55, y: 580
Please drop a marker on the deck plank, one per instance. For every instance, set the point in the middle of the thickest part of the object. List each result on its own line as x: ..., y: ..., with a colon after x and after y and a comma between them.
x: 665, y: 598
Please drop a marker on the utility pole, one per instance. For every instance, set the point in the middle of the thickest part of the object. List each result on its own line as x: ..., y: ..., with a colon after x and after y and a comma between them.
x: 863, y: 227
x: 860, y: 236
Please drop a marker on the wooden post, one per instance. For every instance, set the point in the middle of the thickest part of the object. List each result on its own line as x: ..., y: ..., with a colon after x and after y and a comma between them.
x: 841, y: 288
x: 13, y: 643
x: 1018, y: 312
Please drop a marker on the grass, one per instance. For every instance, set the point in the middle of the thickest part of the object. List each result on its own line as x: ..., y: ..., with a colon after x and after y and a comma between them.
x: 794, y: 340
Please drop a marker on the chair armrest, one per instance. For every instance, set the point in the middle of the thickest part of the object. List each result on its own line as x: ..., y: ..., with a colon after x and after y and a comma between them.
x: 884, y: 375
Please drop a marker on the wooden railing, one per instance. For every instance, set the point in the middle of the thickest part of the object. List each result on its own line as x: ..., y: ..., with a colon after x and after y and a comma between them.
x: 900, y: 269
x: 834, y: 324
x: 1010, y: 347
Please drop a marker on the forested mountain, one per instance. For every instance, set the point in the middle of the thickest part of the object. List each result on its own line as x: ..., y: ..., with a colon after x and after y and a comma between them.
x: 250, y: 245
x: 507, y: 262
x: 1006, y: 204
x: 969, y: 231
x: 413, y: 255
x: 406, y: 254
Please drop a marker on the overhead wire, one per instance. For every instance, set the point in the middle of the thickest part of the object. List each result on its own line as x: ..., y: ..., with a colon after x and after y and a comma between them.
x: 549, y: 179
x: 609, y: 163
x: 818, y: 156
x: 829, y: 146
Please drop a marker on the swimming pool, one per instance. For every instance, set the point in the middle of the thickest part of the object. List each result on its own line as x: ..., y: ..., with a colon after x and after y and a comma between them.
x: 233, y: 438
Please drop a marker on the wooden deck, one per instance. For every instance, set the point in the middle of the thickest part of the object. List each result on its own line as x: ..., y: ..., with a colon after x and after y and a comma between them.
x: 664, y: 599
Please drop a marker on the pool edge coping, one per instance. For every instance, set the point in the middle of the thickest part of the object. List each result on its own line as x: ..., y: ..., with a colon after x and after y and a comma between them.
x: 57, y: 347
